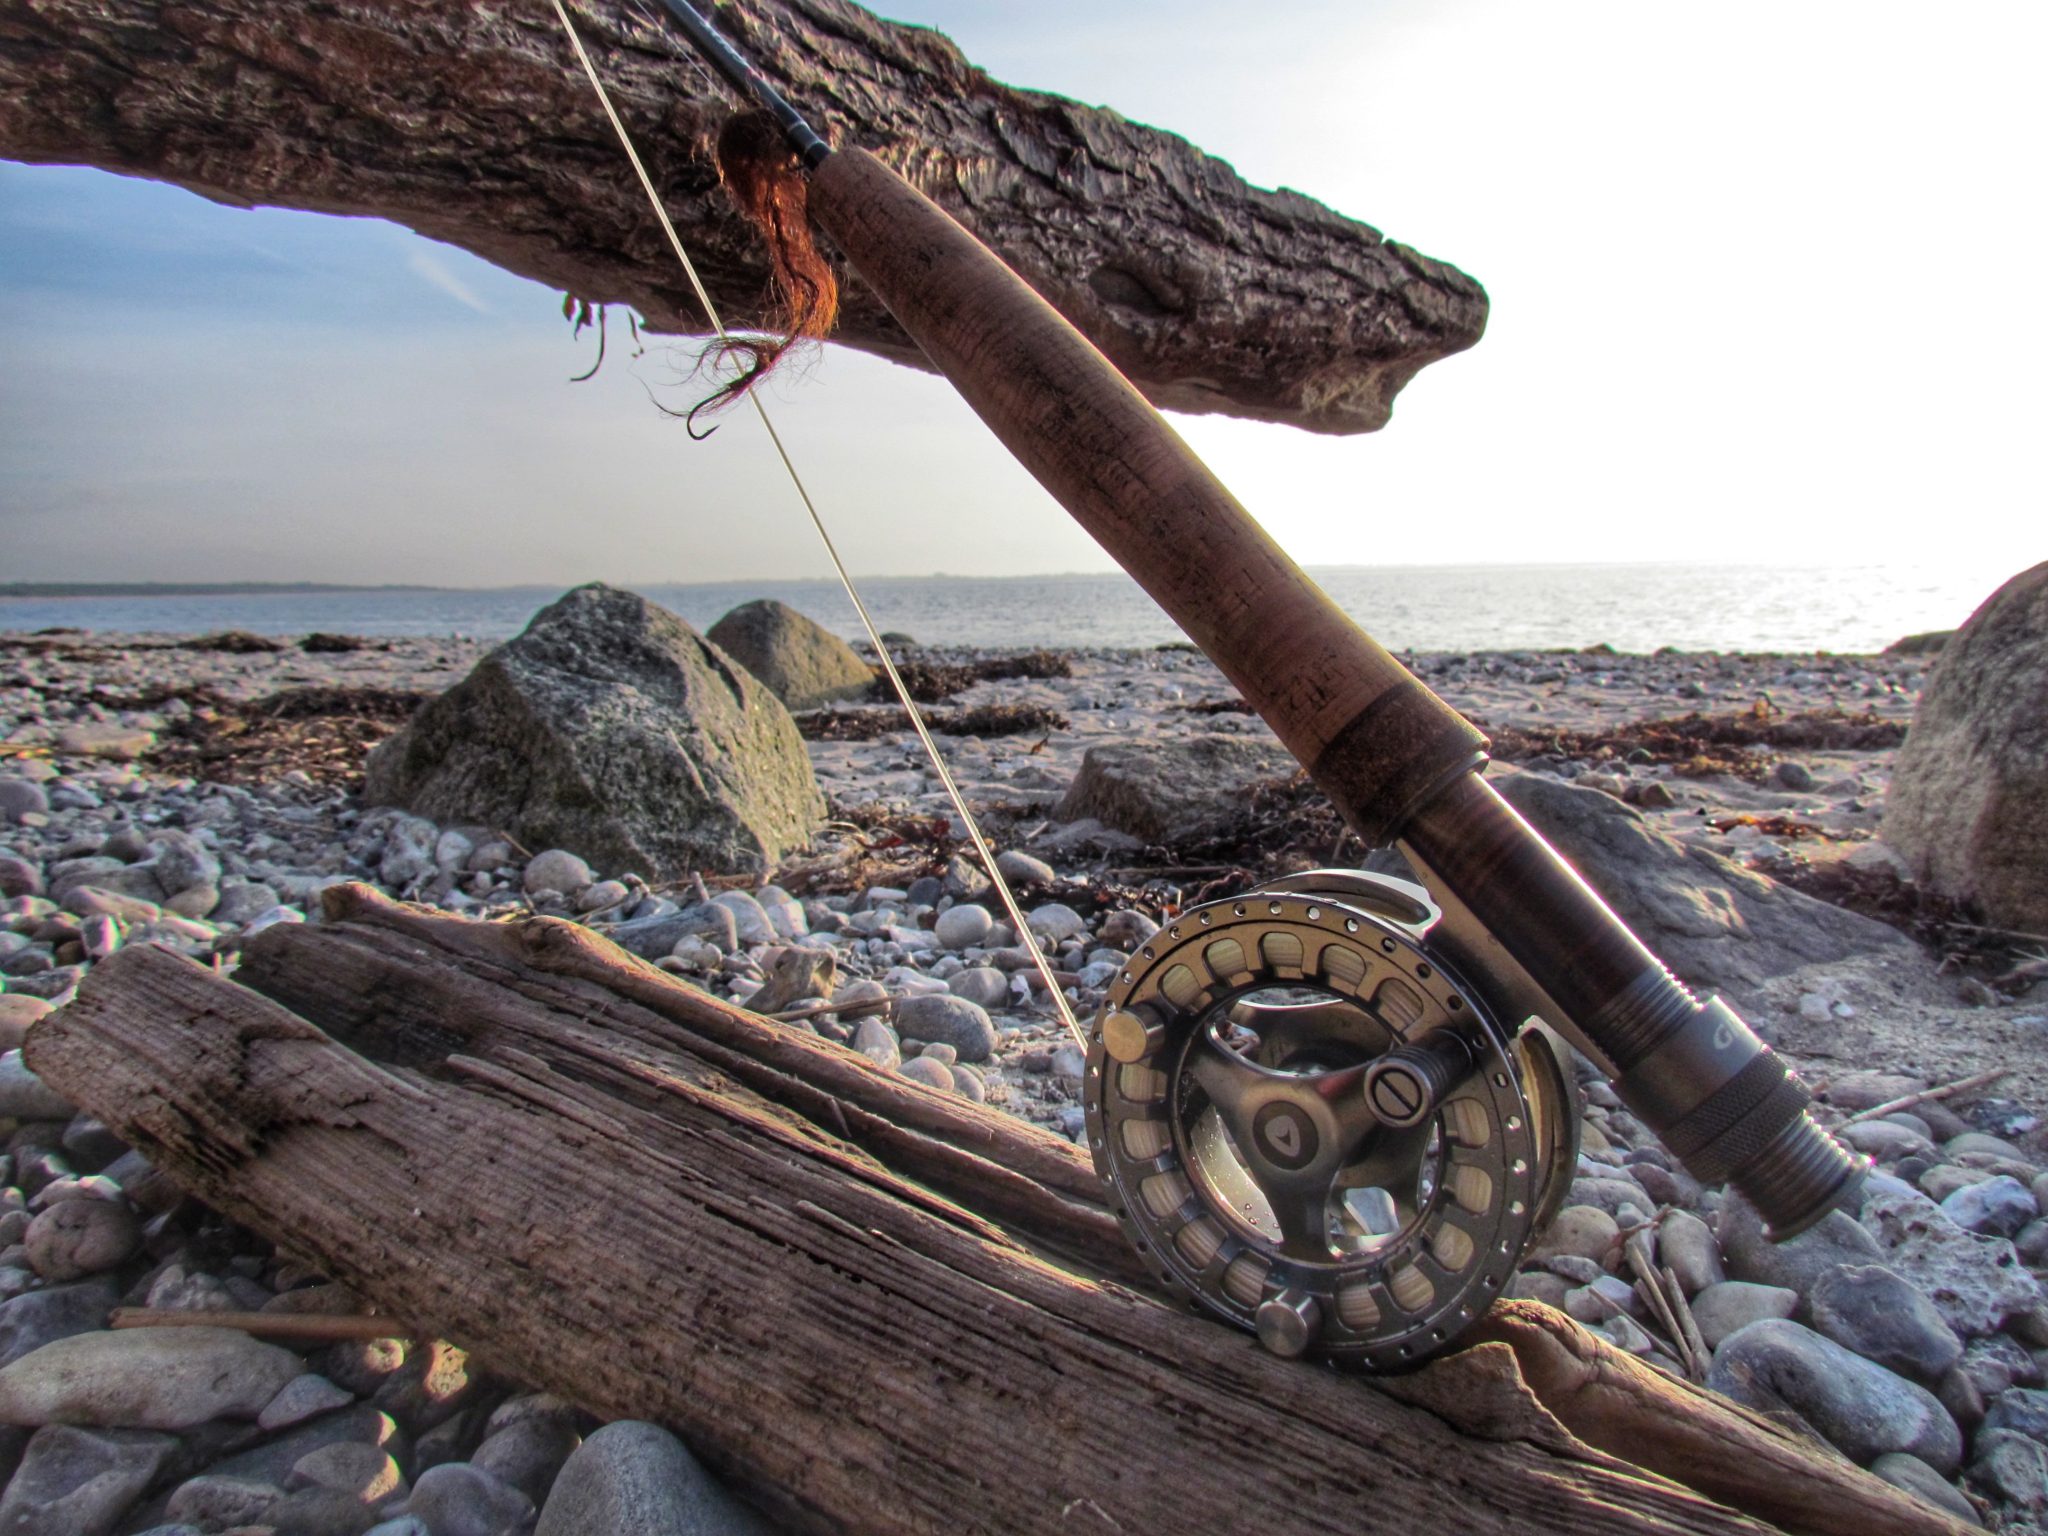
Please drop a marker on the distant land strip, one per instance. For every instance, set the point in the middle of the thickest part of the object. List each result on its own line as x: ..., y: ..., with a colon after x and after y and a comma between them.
x: 188, y: 588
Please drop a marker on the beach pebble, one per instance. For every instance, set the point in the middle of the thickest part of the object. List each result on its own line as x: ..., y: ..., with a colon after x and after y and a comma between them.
x: 457, y: 1499
x: 1999, y: 1206
x: 218, y: 1503
x: 1886, y: 1140
x: 863, y: 995
x: 241, y: 902
x: 18, y: 877
x: 2013, y: 1469
x: 1924, y: 1483
x: 30, y: 1321
x: 301, y: 1398
x: 1538, y: 1285
x: 529, y: 1453
x: 19, y: 798
x: 963, y: 926
x: 24, y: 1096
x: 785, y: 912
x: 750, y: 918
x: 1974, y: 1281
x: 1020, y: 868
x: 982, y: 985
x: 1686, y: 1246
x: 877, y: 1041
x: 1127, y: 929
x: 17, y: 1012
x: 953, y: 1020
x: 1732, y: 1305
x: 75, y: 1480
x: 1862, y: 1409
x: 366, y: 1473
x: 637, y: 1477
x: 1604, y: 1298
x: 117, y: 742
x: 76, y: 1238
x: 600, y: 894
x: 555, y: 870
x: 145, y: 1378
x: 1882, y: 1317
x: 969, y: 1083
x: 1798, y: 1262
x: 1583, y: 1231
x: 1056, y: 921
x: 933, y: 1074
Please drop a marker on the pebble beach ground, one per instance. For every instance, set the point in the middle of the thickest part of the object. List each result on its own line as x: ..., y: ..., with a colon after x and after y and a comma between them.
x: 149, y: 793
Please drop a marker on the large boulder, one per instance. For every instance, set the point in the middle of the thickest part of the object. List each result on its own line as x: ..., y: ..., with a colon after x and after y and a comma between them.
x: 1968, y: 805
x: 1170, y: 792
x: 1716, y: 924
x: 803, y: 663
x: 612, y: 728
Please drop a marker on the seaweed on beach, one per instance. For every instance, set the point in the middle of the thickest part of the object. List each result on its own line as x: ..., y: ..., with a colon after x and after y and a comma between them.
x: 1218, y: 707
x: 235, y: 642
x: 933, y: 682
x: 1695, y: 746
x: 1954, y: 929
x: 322, y: 732
x: 982, y: 720
x: 320, y: 643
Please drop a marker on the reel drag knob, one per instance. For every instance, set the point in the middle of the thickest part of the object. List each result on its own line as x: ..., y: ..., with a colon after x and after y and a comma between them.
x: 1405, y: 1086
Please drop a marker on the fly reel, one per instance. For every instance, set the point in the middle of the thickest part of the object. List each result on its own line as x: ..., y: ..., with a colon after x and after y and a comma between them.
x: 1313, y: 1126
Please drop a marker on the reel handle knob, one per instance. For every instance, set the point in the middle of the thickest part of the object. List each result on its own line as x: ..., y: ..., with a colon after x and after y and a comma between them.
x: 1289, y: 1322
x: 1404, y: 1087
x: 1132, y: 1034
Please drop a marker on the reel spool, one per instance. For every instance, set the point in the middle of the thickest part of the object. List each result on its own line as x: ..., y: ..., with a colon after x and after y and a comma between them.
x: 1313, y: 1127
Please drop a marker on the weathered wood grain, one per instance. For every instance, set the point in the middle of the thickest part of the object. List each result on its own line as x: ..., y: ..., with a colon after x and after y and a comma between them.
x: 473, y: 124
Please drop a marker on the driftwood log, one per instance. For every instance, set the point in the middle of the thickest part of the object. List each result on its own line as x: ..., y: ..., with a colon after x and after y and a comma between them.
x: 472, y: 124
x: 876, y: 1308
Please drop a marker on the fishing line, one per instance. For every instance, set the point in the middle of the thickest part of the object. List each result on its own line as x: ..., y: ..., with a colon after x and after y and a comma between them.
x: 924, y: 735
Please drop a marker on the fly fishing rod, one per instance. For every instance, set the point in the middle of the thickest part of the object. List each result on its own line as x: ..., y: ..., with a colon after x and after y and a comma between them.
x: 1334, y: 1109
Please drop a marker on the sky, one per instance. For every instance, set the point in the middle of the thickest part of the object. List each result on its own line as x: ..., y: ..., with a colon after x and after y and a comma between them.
x: 1763, y: 282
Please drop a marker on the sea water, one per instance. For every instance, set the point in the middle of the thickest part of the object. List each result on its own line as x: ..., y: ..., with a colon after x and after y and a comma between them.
x: 1847, y: 609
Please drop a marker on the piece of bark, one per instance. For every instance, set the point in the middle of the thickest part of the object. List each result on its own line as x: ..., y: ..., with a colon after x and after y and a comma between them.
x: 707, y: 1270
x: 473, y: 124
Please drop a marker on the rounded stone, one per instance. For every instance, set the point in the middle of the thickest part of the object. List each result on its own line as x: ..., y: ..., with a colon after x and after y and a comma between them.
x: 950, y: 1020
x: 557, y: 870
x: 145, y: 1378
x: 634, y: 1476
x: 1020, y: 868
x: 76, y: 1238
x: 1914, y: 1476
x: 963, y: 926
x: 1799, y: 1262
x: 365, y: 1472
x: 2000, y: 1206
x: 1859, y: 1407
x: 456, y: 1499
x: 982, y: 985
x: 933, y: 1074
x: 1728, y: 1308
x: 1686, y: 1246
x: 529, y: 1453
x: 1583, y: 1231
x: 1884, y: 1317
x: 1056, y: 921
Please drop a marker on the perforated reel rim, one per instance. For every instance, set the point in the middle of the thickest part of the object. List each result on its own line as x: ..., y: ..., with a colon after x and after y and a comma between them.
x: 1384, y: 1335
